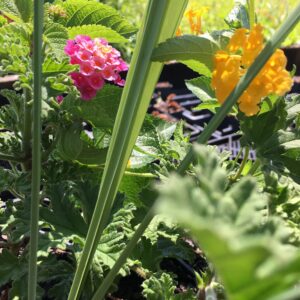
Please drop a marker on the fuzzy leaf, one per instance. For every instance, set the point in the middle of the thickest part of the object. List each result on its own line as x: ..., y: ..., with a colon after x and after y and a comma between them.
x: 55, y: 36
x: 53, y: 68
x: 97, y: 31
x: 17, y: 10
x: 161, y: 286
x: 246, y: 257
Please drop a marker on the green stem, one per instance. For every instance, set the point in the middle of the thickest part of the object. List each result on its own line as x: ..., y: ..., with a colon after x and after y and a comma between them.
x: 243, y: 164
x: 243, y: 84
x: 26, y: 135
x: 251, y: 10
x: 143, y: 175
x: 140, y: 83
x: 254, y: 167
x: 216, y: 121
x: 105, y: 285
x: 36, y: 147
x: 11, y: 158
x: 237, y: 158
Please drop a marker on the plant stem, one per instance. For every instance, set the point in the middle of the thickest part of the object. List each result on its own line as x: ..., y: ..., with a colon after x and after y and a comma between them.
x: 224, y: 110
x: 143, y: 175
x: 243, y: 84
x: 254, y: 167
x: 251, y: 10
x: 105, y: 285
x: 26, y: 135
x: 11, y: 158
x: 242, y: 166
x: 36, y: 147
x: 140, y: 83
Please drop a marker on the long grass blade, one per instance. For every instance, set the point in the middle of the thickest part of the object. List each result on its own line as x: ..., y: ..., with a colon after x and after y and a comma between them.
x: 137, y: 93
x: 36, y: 151
x: 280, y: 35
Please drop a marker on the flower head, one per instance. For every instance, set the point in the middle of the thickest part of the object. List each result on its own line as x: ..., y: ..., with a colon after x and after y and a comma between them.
x: 98, y: 61
x: 194, y: 14
x: 230, y: 65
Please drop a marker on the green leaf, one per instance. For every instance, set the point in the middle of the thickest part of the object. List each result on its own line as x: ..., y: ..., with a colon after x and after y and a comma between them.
x: 60, y: 280
x: 19, y: 30
x: 187, y: 47
x: 132, y: 186
x: 211, y: 105
x: 10, y: 267
x: 238, y: 17
x: 161, y: 286
x: 63, y: 215
x: 201, y: 87
x: 55, y: 37
x: 247, y: 255
x: 53, y: 68
x: 80, y: 12
x: 197, y: 67
x: 276, y: 144
x: 97, y: 31
x: 268, y: 123
x: 100, y: 111
x: 17, y: 10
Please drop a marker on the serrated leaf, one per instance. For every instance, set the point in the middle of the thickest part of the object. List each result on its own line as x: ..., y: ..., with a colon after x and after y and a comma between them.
x: 268, y: 123
x: 53, y: 68
x: 63, y: 214
x: 201, y: 87
x: 55, y: 36
x: 20, y: 30
x: 17, y: 10
x: 97, y: 31
x: 100, y: 111
x: 229, y: 227
x: 80, y: 12
x: 187, y: 47
x: 161, y: 286
x: 198, y: 67
x: 10, y: 267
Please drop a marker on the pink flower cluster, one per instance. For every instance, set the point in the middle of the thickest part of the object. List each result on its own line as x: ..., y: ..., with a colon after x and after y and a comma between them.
x: 98, y: 61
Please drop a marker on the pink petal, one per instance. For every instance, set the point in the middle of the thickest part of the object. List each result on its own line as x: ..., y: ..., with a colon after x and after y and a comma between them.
x: 87, y: 92
x: 96, y: 81
x: 86, y: 68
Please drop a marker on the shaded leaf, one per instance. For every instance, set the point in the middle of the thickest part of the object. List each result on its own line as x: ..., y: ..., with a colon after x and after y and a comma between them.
x: 187, y: 47
x: 100, y: 111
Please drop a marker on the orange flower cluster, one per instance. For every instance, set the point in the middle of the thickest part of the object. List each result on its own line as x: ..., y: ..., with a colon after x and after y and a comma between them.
x: 194, y: 14
x: 233, y: 63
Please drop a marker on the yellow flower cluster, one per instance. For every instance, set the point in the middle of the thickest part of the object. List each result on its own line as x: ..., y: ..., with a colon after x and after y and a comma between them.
x: 230, y: 65
x: 193, y: 14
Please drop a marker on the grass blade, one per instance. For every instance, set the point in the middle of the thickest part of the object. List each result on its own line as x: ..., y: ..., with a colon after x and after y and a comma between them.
x: 36, y: 147
x: 137, y: 93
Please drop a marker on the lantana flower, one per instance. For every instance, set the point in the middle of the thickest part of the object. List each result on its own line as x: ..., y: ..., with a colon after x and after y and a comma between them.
x: 98, y: 62
x: 232, y: 64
